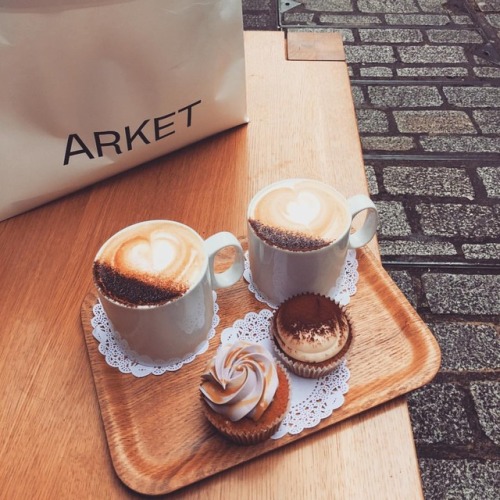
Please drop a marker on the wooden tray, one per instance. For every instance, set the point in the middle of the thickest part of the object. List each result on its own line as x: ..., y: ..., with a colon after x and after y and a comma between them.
x: 158, y: 439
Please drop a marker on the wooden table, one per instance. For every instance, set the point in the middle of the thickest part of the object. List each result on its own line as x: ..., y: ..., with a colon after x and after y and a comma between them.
x: 52, y: 441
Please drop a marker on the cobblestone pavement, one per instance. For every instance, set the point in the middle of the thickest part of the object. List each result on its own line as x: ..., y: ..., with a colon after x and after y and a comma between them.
x: 425, y: 76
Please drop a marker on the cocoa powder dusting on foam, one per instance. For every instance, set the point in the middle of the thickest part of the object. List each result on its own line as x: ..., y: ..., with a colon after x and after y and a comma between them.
x: 132, y: 291
x: 306, y: 316
x: 287, y: 240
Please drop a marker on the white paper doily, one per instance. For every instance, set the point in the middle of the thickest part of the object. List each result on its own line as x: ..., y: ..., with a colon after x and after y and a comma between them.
x: 312, y: 399
x: 344, y: 288
x: 115, y: 356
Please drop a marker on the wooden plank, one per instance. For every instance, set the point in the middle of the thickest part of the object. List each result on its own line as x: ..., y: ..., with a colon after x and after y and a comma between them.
x: 53, y: 442
x: 314, y: 46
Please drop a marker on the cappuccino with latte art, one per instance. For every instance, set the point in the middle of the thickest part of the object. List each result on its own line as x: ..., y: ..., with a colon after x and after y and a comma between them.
x: 299, y: 215
x: 149, y: 263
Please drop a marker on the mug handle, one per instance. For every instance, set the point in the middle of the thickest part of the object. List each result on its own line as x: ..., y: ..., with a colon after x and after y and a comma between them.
x: 214, y: 245
x: 363, y: 235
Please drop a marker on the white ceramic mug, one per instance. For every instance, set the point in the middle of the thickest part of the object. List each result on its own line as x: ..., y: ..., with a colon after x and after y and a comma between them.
x: 165, y: 333
x: 280, y: 273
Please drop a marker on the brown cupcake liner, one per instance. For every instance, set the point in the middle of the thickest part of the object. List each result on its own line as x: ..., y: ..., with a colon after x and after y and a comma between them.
x: 240, y: 436
x: 308, y: 369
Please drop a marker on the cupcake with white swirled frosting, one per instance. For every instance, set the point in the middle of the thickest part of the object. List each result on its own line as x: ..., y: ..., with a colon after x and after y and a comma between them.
x: 245, y: 394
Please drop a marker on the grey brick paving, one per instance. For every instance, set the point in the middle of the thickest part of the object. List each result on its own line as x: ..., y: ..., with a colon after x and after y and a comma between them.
x: 431, y: 54
x: 405, y: 283
x: 393, y: 221
x: 434, y: 122
x: 467, y: 346
x: 329, y: 5
x: 481, y: 251
x: 441, y: 72
x: 416, y: 248
x: 459, y: 220
x: 390, y: 35
x: 372, y: 120
x: 461, y: 144
x: 454, y: 36
x: 371, y: 179
x: 473, y: 97
x: 370, y: 54
x: 460, y: 479
x: 404, y: 96
x: 384, y: 6
x: 384, y: 143
x: 438, y: 415
x: 376, y: 71
x: 347, y: 20
x: 433, y: 181
x: 418, y: 19
x: 486, y: 397
x: 488, y: 120
x: 462, y: 294
x: 491, y: 180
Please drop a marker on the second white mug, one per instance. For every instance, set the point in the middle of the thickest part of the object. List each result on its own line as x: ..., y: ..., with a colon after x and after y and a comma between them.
x: 299, y: 231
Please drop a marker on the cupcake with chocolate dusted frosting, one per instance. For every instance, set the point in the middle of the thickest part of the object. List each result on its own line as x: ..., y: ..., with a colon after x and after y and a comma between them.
x: 311, y: 334
x: 245, y: 394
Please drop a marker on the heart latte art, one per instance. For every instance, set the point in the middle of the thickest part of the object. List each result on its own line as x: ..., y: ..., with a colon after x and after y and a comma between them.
x: 299, y: 214
x: 149, y: 263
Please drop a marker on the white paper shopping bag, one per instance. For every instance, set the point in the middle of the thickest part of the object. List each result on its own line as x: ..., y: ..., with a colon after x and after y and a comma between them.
x: 90, y: 88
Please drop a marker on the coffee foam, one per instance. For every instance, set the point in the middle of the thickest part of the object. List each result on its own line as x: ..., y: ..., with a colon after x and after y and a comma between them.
x: 302, y: 206
x: 149, y: 262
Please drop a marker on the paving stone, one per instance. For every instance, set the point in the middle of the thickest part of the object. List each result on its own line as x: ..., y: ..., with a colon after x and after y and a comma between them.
x: 434, y: 122
x: 387, y: 35
x: 425, y: 71
x: 486, y: 72
x: 462, y: 19
x: 414, y: 248
x: 430, y: 54
x: 473, y: 97
x: 493, y: 19
x: 438, y: 415
x: 462, y: 293
x: 417, y: 19
x: 491, y: 180
x: 297, y: 17
x: 488, y: 5
x: 467, y: 346
x: 486, y: 397
x: 404, y: 96
x: 347, y: 20
x: 467, y: 221
x: 373, y: 6
x: 376, y: 72
x: 482, y: 251
x: 256, y: 21
x: 372, y: 120
x: 433, y: 6
x: 357, y: 95
x: 369, y: 54
x: 329, y: 5
x: 393, y: 221
x: 372, y: 179
x: 256, y: 4
x: 461, y: 144
x: 488, y: 120
x: 460, y: 479
x: 404, y: 282
x: 347, y: 35
x: 454, y: 36
x: 382, y: 143
x: 432, y: 181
